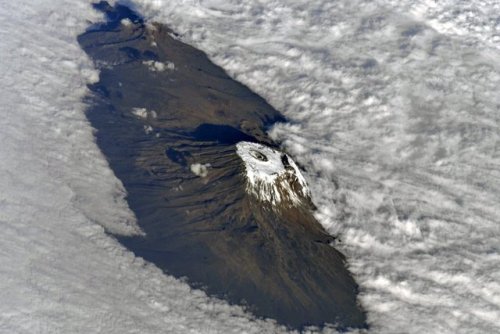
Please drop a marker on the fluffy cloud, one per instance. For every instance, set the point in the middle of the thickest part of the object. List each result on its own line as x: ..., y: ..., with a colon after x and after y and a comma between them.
x: 394, y: 112
x: 200, y: 170
x: 393, y: 109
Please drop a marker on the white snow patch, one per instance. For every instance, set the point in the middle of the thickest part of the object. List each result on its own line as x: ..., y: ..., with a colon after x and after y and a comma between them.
x: 268, y: 179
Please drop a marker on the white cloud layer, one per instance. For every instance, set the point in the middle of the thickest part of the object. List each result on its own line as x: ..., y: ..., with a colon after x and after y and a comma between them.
x: 397, y: 103
x: 59, y: 271
x: 157, y: 66
x: 200, y: 170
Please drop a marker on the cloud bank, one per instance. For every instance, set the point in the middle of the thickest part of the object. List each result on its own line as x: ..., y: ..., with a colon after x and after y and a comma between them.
x: 394, y: 111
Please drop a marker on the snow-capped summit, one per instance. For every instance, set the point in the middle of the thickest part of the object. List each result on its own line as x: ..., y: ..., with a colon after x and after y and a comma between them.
x: 272, y: 176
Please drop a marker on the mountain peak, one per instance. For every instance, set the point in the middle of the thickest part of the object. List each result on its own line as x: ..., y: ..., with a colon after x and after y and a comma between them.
x: 272, y: 176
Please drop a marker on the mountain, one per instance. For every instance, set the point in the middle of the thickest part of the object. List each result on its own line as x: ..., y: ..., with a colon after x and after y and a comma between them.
x: 217, y: 201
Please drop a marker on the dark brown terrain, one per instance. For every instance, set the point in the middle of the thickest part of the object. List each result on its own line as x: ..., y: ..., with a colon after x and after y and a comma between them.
x: 277, y: 260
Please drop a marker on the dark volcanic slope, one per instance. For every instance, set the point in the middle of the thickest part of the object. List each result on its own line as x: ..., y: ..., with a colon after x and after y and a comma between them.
x: 276, y: 260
